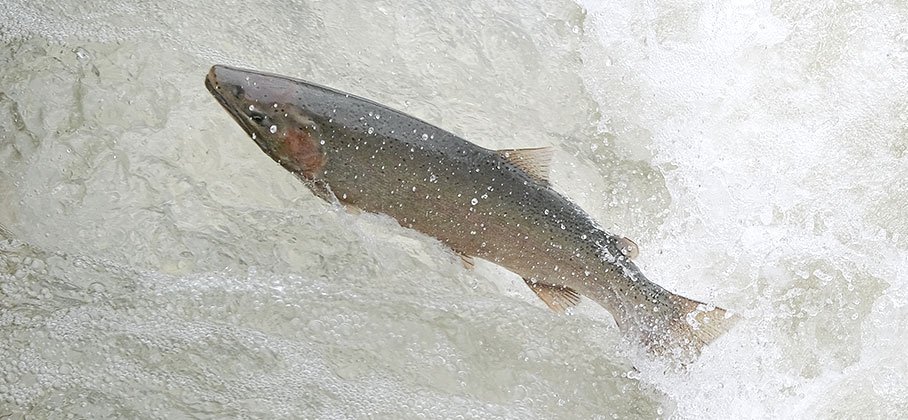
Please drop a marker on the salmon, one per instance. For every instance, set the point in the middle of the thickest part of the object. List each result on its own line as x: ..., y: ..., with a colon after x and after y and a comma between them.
x: 497, y: 205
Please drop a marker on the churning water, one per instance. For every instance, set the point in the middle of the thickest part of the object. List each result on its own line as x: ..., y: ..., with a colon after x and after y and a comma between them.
x: 163, y: 266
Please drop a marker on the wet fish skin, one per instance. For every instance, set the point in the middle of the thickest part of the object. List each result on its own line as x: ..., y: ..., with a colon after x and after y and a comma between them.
x: 484, y: 203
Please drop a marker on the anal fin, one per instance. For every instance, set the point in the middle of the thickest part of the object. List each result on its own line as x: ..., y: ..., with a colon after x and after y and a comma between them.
x: 558, y: 298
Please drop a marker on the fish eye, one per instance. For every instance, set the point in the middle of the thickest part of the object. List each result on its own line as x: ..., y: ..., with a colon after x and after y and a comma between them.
x: 258, y: 117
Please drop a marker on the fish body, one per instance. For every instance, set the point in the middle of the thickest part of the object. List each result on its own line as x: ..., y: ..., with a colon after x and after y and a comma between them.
x: 492, y: 204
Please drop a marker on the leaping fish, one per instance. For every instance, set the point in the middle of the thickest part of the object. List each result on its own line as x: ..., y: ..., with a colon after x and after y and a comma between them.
x: 497, y: 205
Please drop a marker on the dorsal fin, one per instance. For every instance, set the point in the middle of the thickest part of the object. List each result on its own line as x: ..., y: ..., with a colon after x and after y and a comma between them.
x: 628, y: 247
x: 558, y: 298
x: 535, y: 162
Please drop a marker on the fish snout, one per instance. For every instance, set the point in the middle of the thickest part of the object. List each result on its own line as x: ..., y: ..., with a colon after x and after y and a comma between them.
x: 271, y: 110
x: 225, y: 83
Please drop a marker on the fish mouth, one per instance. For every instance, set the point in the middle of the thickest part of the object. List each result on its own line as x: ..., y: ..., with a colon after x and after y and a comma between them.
x: 215, y: 88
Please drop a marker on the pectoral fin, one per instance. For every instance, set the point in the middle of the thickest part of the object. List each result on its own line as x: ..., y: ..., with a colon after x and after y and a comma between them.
x: 319, y: 188
x: 558, y: 298
x: 467, y: 261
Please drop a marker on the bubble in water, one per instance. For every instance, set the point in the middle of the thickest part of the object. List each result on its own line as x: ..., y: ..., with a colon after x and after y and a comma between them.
x: 474, y: 201
x: 272, y: 129
x: 82, y: 54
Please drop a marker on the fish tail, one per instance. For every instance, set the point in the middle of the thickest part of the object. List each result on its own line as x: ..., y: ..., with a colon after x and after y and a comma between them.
x: 677, y: 326
x: 702, y: 323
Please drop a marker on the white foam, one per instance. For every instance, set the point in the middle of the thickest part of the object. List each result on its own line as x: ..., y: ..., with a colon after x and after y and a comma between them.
x: 779, y: 134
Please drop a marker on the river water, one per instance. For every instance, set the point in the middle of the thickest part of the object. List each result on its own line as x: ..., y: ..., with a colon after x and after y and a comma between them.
x: 162, y: 266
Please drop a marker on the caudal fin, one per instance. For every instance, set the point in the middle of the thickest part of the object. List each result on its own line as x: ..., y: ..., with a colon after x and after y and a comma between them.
x: 679, y: 327
x: 702, y: 323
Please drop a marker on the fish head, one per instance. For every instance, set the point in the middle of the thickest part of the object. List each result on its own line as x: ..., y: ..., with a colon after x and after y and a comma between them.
x: 283, y: 116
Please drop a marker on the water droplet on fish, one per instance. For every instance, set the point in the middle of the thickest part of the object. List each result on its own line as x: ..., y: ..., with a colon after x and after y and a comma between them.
x: 272, y: 129
x: 474, y: 201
